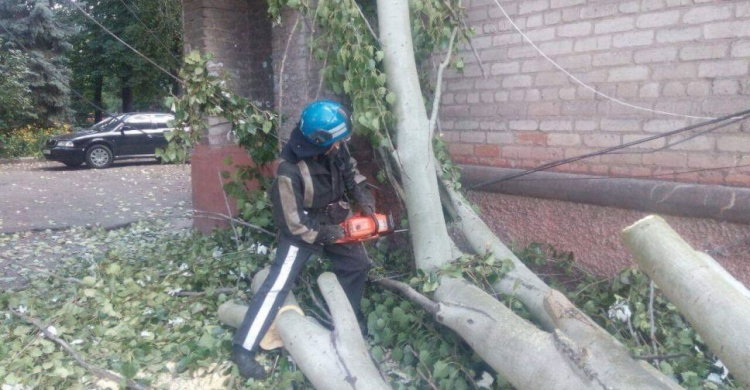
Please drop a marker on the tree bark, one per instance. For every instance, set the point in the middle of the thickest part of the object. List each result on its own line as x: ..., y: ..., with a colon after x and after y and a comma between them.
x: 432, y: 249
x: 426, y: 221
x: 715, y: 303
x: 126, y: 94
x: 525, y: 356
x: 552, y: 309
x: 335, y: 359
x: 98, y: 86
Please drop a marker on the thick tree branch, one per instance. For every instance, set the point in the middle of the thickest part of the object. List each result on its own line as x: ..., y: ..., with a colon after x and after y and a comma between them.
x: 224, y: 217
x: 439, y: 83
x: 281, y: 73
x: 225, y: 290
x: 425, y: 303
x: 229, y: 209
x: 714, y: 302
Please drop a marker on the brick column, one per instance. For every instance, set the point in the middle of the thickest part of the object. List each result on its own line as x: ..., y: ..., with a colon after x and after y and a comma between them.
x: 238, y: 34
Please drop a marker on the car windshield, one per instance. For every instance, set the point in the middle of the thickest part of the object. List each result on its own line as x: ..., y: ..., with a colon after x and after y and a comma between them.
x: 107, y: 124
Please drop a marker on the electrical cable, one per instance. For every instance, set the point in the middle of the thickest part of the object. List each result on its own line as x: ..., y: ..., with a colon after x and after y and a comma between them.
x: 637, y: 176
x: 179, y: 80
x: 151, y: 32
x: 688, y: 138
x: 113, y: 35
x: 743, y: 114
x: 581, y: 83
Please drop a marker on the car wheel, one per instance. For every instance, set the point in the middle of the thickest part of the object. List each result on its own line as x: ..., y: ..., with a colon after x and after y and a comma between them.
x: 73, y: 164
x: 99, y: 156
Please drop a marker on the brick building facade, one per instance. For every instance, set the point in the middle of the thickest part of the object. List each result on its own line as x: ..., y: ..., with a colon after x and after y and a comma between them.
x: 687, y: 57
x: 690, y: 57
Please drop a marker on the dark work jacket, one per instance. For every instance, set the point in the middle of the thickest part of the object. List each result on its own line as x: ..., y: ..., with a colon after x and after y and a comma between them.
x: 306, y: 183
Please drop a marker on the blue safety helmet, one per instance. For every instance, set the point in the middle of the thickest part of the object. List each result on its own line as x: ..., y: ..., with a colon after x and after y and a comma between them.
x: 324, y: 122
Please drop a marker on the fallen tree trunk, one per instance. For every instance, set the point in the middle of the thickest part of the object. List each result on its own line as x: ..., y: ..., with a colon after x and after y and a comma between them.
x: 524, y: 355
x: 335, y: 359
x: 715, y: 303
x: 551, y: 308
x: 421, y: 186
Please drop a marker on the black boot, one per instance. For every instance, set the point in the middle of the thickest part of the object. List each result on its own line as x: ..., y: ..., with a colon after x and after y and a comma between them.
x: 246, y: 364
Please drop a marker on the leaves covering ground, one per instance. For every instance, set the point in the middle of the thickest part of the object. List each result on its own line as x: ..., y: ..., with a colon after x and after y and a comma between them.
x: 123, y: 310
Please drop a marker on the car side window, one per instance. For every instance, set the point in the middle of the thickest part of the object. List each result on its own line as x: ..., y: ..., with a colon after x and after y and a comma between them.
x: 161, y: 121
x: 139, y: 122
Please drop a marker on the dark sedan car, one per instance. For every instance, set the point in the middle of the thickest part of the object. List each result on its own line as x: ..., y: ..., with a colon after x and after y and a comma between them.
x: 135, y: 135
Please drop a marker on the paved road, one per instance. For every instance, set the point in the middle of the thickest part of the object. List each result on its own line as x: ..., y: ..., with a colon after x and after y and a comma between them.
x: 46, y: 195
x: 47, y: 210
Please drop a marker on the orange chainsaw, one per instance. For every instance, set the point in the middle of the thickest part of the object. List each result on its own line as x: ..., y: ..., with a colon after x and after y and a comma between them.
x: 362, y: 227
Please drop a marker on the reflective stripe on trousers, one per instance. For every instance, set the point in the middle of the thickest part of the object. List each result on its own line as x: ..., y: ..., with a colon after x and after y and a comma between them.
x: 270, y: 297
x: 350, y: 264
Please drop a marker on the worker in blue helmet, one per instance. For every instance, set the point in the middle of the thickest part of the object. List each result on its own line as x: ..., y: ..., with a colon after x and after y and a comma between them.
x: 317, y: 184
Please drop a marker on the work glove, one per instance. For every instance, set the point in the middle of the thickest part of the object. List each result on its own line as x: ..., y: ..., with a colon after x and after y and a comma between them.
x: 328, y: 234
x: 364, y: 199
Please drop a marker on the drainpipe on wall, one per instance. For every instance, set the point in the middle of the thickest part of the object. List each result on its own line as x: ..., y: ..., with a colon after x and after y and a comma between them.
x: 716, y: 202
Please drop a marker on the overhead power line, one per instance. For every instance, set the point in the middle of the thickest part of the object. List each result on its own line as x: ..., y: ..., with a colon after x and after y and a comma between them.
x: 688, y: 138
x: 151, y: 32
x: 113, y: 35
x: 675, y: 173
x: 581, y: 83
x: 179, y: 80
x: 732, y: 117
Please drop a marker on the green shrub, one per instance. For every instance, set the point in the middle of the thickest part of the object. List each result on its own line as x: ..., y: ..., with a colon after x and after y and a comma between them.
x: 27, y: 141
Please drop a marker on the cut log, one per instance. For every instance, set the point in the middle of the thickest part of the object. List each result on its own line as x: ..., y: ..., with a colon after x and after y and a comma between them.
x: 552, y: 309
x: 715, y: 303
x: 330, y: 359
x: 530, y: 358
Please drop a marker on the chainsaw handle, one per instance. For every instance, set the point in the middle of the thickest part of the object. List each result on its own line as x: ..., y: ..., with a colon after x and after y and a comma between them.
x: 377, y: 224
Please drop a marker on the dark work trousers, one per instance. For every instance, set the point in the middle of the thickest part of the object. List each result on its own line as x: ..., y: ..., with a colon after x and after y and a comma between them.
x: 350, y: 264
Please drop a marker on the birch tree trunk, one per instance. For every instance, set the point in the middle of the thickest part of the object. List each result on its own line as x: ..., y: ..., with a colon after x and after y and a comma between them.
x: 525, y: 356
x: 551, y: 308
x: 548, y: 359
x: 428, y: 232
x: 715, y: 303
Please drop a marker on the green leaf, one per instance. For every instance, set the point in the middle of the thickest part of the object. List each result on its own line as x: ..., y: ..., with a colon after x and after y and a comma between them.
x: 460, y: 64
x: 440, y: 370
x: 690, y: 378
x: 666, y: 368
x: 377, y: 354
x: 390, y: 98
x: 207, y: 341
x: 21, y: 330
x: 381, y: 79
x: 113, y: 269
x: 192, y: 57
